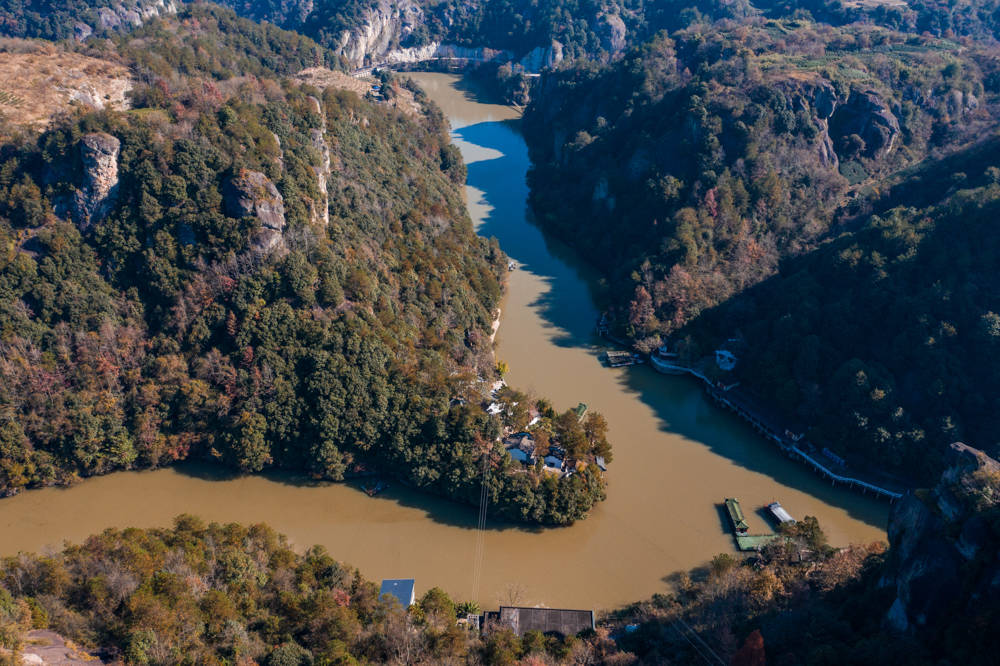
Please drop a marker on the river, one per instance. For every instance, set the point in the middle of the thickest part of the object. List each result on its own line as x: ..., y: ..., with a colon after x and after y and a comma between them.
x: 676, y: 456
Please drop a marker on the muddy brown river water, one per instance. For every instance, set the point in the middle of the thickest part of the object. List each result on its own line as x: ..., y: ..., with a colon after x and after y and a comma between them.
x: 676, y: 455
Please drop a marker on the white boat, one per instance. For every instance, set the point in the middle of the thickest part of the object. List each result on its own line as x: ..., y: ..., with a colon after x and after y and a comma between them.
x: 780, y: 514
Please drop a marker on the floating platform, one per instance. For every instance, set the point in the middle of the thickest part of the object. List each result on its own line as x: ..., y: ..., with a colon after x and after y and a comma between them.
x: 620, y: 359
x: 747, y: 542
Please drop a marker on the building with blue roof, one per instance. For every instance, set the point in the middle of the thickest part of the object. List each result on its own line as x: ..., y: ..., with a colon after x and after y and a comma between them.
x: 400, y: 588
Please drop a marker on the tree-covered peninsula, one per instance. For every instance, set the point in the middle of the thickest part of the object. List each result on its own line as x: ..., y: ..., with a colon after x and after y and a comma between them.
x: 252, y: 270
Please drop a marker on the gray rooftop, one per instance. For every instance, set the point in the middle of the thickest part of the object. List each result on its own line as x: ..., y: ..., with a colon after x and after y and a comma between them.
x: 546, y: 620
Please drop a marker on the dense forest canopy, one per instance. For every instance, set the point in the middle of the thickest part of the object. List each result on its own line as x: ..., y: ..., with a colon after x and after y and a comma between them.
x: 893, y: 325
x: 223, y: 594
x: 254, y: 271
x: 738, y: 144
x: 742, y: 146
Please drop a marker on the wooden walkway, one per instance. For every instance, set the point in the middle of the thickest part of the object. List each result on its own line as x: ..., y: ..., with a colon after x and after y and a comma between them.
x: 766, y: 426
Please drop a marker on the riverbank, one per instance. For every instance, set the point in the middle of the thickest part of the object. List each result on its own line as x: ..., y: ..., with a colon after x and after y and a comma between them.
x: 676, y: 455
x: 731, y: 397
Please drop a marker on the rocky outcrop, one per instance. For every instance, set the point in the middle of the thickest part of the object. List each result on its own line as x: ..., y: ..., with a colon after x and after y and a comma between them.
x: 252, y: 194
x: 945, y: 546
x: 439, y: 51
x: 321, y: 208
x: 390, y: 23
x: 384, y: 25
x: 98, y: 189
x: 860, y: 113
x: 539, y: 58
x: 611, y: 29
x: 124, y: 16
x: 867, y: 116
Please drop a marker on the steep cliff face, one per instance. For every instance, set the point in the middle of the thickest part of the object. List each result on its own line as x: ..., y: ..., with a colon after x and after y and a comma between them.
x: 385, y: 36
x: 865, y: 115
x: 843, y: 119
x: 613, y: 32
x: 945, y: 546
x: 383, y: 26
x: 252, y: 194
x: 99, y: 183
x: 123, y: 16
x: 436, y: 50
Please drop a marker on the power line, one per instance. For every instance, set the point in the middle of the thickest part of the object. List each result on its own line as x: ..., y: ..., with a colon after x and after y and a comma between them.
x: 702, y: 641
x: 481, y: 527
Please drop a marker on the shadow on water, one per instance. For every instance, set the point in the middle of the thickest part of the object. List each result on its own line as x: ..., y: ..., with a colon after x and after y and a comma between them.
x: 499, y: 181
x: 567, y: 308
x: 435, y: 508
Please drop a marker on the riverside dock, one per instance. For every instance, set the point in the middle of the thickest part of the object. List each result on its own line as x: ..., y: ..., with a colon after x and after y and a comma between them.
x: 792, y: 445
x: 744, y: 540
x: 620, y: 359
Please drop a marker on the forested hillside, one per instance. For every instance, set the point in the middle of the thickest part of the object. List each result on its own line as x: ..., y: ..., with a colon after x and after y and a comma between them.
x: 691, y: 169
x: 735, y: 146
x: 77, y: 19
x: 885, y: 339
x: 253, y: 271
x: 223, y: 594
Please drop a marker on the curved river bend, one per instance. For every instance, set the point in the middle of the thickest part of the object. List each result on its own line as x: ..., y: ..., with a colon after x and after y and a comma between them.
x: 676, y: 455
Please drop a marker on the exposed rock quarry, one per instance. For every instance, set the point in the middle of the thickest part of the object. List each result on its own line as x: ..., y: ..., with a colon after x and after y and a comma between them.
x: 99, y: 184
x: 945, y: 544
x: 252, y: 194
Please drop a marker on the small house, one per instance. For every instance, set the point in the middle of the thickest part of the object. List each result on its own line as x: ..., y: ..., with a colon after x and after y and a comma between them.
x: 601, y: 464
x: 521, y: 447
x: 401, y: 589
x: 554, y: 463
